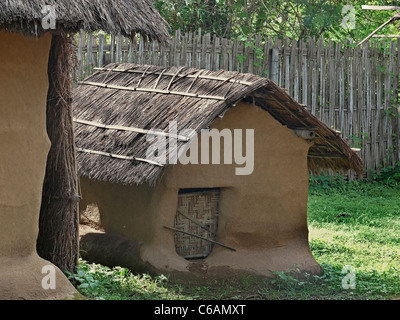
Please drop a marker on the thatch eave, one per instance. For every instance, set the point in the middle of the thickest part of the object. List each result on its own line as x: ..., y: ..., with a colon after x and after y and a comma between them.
x: 125, y: 17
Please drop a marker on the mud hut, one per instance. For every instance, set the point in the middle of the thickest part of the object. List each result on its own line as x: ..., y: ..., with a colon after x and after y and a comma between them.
x: 37, y: 57
x: 168, y: 208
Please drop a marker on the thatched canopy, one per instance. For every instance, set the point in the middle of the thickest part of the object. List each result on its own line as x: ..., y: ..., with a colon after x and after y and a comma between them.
x: 112, y: 16
x: 118, y: 99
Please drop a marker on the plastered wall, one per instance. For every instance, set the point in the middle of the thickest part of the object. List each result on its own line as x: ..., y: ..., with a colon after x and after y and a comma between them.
x: 262, y: 215
x: 24, y: 146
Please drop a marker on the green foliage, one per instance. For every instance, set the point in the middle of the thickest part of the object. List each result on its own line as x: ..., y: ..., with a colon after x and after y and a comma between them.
x: 84, y: 281
x: 389, y: 175
x: 324, y: 183
x: 356, y: 140
x: 293, y: 19
x: 102, y: 283
x: 190, y: 15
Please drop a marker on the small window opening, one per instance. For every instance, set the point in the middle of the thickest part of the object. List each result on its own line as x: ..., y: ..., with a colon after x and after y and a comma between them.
x: 197, y: 221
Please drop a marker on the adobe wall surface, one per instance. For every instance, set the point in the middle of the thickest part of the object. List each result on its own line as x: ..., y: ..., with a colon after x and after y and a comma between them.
x: 24, y: 146
x: 262, y: 215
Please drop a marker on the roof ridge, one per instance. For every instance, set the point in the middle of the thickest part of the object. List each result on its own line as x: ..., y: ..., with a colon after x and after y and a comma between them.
x: 144, y: 89
x: 207, y: 77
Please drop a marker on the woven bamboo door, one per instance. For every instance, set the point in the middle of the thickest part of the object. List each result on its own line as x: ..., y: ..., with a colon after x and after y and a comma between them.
x: 197, y: 218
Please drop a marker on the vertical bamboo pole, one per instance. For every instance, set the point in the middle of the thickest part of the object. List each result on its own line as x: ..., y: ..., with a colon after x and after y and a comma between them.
x: 101, y: 50
x: 80, y: 59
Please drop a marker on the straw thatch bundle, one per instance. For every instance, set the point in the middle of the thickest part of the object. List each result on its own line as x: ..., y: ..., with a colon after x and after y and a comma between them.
x: 120, y: 97
x: 58, y: 223
x: 112, y: 16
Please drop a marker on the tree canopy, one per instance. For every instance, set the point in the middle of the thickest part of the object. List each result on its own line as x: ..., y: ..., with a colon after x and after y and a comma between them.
x: 338, y: 20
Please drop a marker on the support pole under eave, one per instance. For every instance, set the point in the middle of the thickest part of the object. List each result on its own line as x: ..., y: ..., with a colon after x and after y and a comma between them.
x: 58, y: 239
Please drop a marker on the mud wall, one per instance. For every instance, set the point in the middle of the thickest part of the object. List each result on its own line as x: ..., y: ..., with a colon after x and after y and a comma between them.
x: 262, y: 215
x: 24, y: 146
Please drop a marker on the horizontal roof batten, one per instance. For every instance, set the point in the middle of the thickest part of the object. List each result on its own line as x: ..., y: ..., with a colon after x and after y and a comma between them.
x: 118, y: 156
x: 326, y: 156
x: 179, y: 93
x: 131, y: 129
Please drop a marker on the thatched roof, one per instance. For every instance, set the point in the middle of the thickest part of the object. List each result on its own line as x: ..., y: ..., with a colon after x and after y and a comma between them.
x: 112, y: 16
x: 120, y: 97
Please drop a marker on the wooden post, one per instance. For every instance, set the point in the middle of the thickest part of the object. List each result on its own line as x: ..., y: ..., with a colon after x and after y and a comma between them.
x: 112, y: 48
x: 130, y: 52
x: 275, y: 65
x: 304, y: 75
x: 101, y: 50
x: 89, y: 55
x: 118, y: 49
x: 81, y: 39
x: 286, y: 65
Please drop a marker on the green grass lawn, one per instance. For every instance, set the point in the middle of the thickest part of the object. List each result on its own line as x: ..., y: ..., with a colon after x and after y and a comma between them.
x: 354, y: 235
x: 357, y: 225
